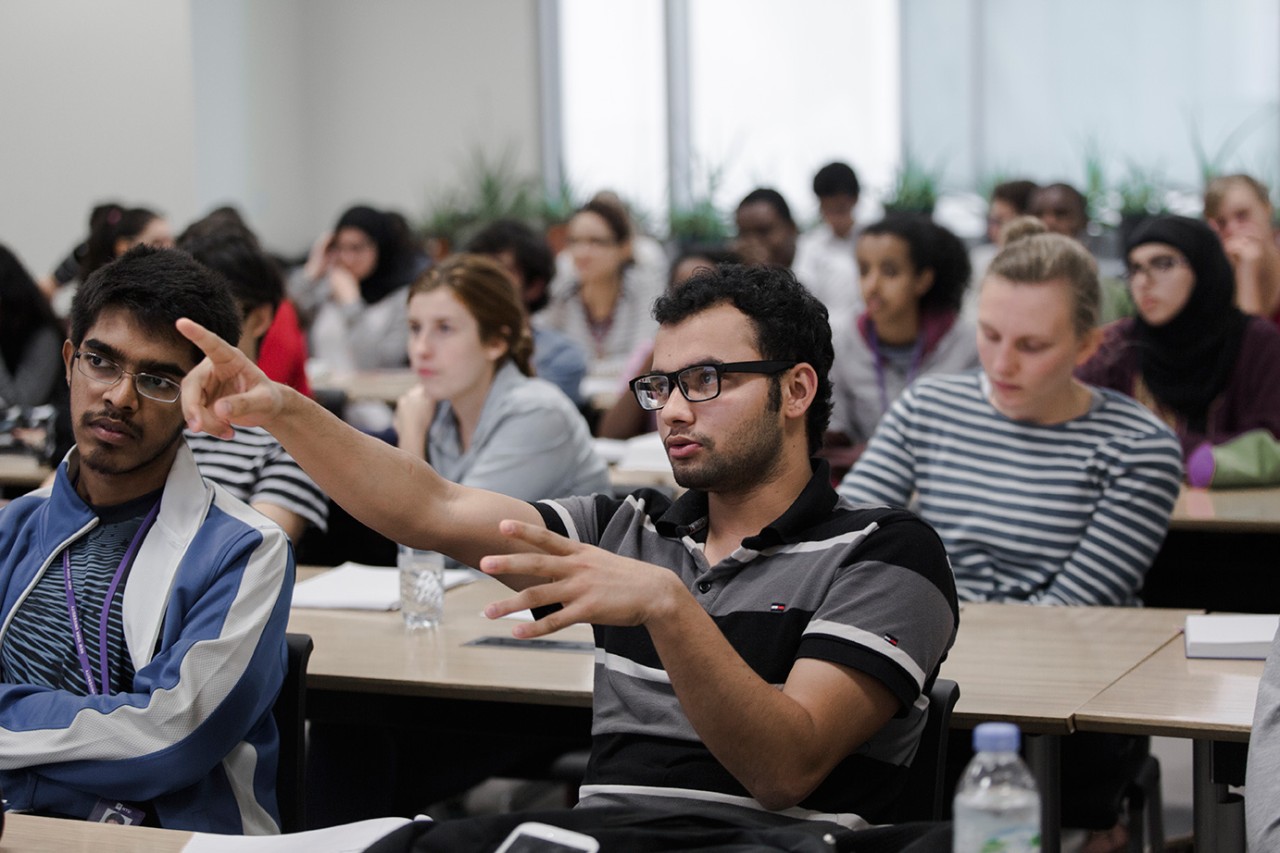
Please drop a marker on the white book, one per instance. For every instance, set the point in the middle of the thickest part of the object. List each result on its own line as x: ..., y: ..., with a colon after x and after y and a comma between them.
x: 1230, y: 635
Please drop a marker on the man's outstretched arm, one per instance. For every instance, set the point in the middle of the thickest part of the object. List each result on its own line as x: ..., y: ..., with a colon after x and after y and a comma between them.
x: 399, y: 496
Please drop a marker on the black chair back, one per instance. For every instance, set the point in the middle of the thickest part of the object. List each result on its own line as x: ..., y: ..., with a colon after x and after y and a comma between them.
x: 923, y: 798
x: 290, y: 712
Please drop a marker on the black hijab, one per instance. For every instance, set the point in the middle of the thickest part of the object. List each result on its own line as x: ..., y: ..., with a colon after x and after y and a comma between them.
x: 398, y: 261
x: 1188, y: 361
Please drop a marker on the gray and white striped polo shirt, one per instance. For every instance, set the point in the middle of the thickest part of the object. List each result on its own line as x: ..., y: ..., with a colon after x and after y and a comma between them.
x: 868, y: 588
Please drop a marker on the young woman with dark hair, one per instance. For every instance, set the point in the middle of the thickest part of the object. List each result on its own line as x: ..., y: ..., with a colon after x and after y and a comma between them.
x: 605, y: 305
x: 913, y: 275
x: 1190, y: 355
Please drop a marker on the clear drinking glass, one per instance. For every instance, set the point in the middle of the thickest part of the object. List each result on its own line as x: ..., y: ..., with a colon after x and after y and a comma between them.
x: 421, y: 587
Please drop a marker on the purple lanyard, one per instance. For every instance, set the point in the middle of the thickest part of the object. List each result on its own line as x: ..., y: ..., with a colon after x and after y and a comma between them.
x: 917, y: 353
x: 74, y: 613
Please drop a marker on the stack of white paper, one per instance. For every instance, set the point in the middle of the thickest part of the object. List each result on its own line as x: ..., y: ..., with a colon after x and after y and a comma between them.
x: 353, y: 586
x: 1230, y: 635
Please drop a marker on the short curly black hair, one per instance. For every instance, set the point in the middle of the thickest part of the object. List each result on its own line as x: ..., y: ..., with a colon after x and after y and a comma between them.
x: 790, y: 322
x: 157, y: 286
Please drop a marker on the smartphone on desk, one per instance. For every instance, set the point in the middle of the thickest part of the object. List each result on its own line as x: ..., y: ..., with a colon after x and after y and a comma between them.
x: 534, y: 837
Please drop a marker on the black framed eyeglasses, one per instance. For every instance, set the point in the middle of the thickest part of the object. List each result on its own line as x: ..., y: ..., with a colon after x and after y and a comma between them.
x: 1157, y: 267
x: 698, y: 382
x: 106, y: 372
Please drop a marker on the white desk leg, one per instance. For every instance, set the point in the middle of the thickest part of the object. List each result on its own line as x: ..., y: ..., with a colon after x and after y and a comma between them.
x: 1044, y: 754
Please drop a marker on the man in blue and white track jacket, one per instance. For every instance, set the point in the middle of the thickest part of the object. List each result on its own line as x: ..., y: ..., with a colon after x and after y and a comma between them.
x: 142, y: 609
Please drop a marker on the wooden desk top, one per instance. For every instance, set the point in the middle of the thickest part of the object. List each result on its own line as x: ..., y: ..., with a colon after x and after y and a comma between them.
x: 1036, y: 666
x: 371, y: 652
x: 1228, y: 510
x: 1169, y: 694
x: 22, y: 471
x: 384, y: 386
x: 29, y: 834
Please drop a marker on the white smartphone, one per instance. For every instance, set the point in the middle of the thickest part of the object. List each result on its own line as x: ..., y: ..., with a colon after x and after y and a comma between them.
x: 534, y: 837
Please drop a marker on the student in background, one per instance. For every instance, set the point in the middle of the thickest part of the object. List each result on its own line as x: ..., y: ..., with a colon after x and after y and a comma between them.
x: 183, y: 591
x: 604, y: 306
x: 351, y: 291
x: 1191, y: 356
x: 527, y: 259
x: 68, y: 269
x: 477, y: 414
x: 351, y: 295
x: 113, y: 230
x: 913, y: 275
x: 1062, y: 208
x: 31, y: 370
x: 979, y: 447
x: 252, y: 465
x: 824, y: 255
x: 1238, y: 209
x: 767, y: 233
x: 1009, y: 199
x: 282, y: 352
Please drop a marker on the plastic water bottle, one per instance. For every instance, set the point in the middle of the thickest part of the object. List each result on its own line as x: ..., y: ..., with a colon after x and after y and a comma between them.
x: 997, y: 806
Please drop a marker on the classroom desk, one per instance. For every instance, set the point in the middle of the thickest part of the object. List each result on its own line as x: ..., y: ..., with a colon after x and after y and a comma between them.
x: 20, y: 471
x: 384, y: 386
x: 372, y: 653
x: 29, y: 834
x: 1227, y: 510
x: 1208, y: 701
x: 1037, y: 666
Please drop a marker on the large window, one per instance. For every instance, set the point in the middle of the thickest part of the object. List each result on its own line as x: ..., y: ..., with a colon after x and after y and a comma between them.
x: 775, y: 90
x: 1150, y: 89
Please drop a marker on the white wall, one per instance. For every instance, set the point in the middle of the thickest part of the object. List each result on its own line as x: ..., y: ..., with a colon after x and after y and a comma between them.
x: 97, y: 104
x: 290, y: 109
x: 399, y: 93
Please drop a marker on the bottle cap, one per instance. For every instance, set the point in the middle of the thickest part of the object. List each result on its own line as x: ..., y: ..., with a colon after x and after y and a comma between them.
x: 996, y: 737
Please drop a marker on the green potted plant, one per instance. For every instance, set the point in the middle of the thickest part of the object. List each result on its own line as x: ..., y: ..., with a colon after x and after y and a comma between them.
x: 915, y: 187
x: 700, y: 220
x: 492, y: 188
x: 1141, y: 194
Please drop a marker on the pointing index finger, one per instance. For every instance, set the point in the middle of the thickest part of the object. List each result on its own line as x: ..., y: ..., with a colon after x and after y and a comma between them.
x: 210, y: 344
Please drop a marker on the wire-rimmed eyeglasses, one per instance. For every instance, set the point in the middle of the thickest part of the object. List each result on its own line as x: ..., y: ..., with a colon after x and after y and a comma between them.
x: 105, y: 371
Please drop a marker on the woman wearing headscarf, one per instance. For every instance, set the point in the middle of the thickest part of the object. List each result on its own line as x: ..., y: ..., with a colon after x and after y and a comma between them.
x: 352, y: 290
x: 1191, y: 356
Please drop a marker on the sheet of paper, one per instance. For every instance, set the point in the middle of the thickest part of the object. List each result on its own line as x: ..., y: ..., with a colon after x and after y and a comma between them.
x: 347, y: 838
x: 645, y: 453
x: 354, y: 586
